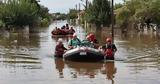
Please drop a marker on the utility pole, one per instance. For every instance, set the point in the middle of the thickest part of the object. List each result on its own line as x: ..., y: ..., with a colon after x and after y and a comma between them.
x: 79, y: 13
x: 76, y: 7
x: 79, y: 7
x: 86, y: 4
x: 112, y: 20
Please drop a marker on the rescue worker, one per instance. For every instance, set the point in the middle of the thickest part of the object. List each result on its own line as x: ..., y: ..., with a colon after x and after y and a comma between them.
x: 67, y: 27
x: 87, y: 42
x: 60, y: 49
x: 109, y: 49
x: 74, y: 42
x: 71, y: 30
x: 91, y: 37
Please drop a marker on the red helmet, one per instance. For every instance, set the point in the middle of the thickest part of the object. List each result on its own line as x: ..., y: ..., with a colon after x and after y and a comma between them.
x: 92, y: 36
x: 108, y: 40
x: 88, y: 37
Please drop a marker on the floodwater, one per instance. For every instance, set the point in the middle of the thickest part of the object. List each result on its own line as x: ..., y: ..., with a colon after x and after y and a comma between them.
x: 27, y: 57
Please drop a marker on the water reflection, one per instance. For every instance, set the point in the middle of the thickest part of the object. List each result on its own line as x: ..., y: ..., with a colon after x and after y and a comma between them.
x: 84, y: 69
x: 59, y: 63
x: 18, y: 39
x: 17, y: 47
x: 90, y: 70
x: 30, y: 56
x: 110, y: 70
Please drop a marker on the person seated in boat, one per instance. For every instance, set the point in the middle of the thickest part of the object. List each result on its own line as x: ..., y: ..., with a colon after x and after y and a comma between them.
x: 67, y: 27
x: 74, y: 42
x: 56, y: 31
x: 87, y: 43
x: 63, y: 27
x: 55, y: 28
x: 71, y: 30
x: 109, y: 49
x: 63, y: 30
x: 93, y: 40
x: 59, y: 31
x: 60, y: 49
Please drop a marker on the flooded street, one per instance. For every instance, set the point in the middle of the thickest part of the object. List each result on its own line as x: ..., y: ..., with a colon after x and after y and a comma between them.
x: 28, y: 58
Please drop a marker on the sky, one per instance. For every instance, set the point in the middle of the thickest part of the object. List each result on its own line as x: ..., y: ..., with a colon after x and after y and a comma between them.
x: 63, y: 6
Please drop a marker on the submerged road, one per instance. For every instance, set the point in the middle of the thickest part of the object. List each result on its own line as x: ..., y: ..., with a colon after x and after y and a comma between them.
x: 28, y: 58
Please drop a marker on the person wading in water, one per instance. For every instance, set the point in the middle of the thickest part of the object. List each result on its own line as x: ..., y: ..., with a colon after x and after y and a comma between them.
x: 109, y: 49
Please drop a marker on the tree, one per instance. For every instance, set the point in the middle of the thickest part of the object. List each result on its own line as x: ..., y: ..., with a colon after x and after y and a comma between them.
x: 59, y: 16
x: 99, y: 13
x: 72, y: 14
x: 139, y: 11
x: 123, y: 14
x: 119, y: 5
x: 43, y: 12
x: 18, y: 12
x: 22, y: 12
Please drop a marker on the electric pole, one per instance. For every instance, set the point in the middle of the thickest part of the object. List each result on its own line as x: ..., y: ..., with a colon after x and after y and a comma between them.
x: 112, y: 20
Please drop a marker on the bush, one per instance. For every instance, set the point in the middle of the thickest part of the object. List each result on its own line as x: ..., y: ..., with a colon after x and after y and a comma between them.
x: 1, y: 24
x: 44, y: 22
x: 139, y: 11
x: 22, y: 12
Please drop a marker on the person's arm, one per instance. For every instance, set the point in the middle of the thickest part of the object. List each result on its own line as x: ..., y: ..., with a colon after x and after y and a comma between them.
x: 103, y: 49
x: 70, y: 44
x: 64, y: 48
x: 79, y: 41
x: 114, y: 48
x: 73, y: 31
x: 57, y: 48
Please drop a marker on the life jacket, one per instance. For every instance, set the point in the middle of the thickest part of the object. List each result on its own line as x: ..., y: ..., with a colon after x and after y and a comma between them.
x: 109, y: 53
x: 59, y: 52
x: 79, y: 42
x: 54, y: 32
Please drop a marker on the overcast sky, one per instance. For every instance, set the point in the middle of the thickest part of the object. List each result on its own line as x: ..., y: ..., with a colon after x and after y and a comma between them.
x: 62, y: 5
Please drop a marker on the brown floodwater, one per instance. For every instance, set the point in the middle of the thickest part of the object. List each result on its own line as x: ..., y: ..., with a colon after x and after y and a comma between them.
x: 27, y: 57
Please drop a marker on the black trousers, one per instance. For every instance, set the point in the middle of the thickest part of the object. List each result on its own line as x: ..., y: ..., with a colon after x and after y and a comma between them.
x: 109, y: 58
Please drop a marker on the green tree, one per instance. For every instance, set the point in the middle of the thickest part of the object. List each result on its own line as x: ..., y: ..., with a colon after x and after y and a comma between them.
x: 99, y: 13
x: 138, y: 11
x: 23, y: 12
x: 72, y: 14
x: 59, y: 16
x: 18, y: 12
x: 122, y: 14
x: 119, y: 5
